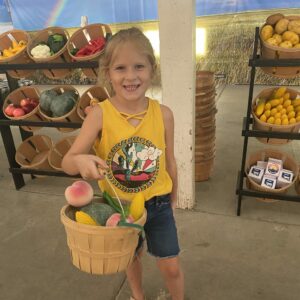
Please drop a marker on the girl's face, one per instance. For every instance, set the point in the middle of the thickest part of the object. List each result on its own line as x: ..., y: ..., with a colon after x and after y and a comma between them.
x: 130, y: 73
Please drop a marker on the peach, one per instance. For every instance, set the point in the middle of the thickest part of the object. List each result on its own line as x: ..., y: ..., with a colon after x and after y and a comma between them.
x: 115, y: 218
x: 80, y: 193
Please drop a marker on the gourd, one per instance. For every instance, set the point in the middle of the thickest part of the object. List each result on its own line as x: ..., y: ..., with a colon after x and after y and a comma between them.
x: 100, y: 212
x: 46, y: 99
x: 62, y: 104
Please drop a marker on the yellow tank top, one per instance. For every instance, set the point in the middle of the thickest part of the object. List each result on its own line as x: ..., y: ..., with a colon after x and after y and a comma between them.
x: 135, y: 155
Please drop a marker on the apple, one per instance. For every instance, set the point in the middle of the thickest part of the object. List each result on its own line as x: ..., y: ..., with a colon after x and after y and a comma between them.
x: 18, y: 112
x: 9, y: 109
x: 25, y: 102
x: 28, y: 108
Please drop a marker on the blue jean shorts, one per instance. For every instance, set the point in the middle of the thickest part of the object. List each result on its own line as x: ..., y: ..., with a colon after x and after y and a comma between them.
x: 160, y: 228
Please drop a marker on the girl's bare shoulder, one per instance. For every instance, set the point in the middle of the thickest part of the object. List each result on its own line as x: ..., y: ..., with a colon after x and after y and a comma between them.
x: 166, y: 112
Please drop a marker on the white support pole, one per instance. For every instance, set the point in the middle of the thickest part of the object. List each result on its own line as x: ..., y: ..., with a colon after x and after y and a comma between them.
x: 177, y: 28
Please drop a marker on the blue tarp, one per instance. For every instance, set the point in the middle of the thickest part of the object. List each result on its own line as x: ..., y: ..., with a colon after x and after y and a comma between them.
x: 38, y: 14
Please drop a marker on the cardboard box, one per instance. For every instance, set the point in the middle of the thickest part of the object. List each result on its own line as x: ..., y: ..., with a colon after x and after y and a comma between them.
x: 273, y: 167
x: 256, y: 174
x: 269, y: 182
x: 285, y: 178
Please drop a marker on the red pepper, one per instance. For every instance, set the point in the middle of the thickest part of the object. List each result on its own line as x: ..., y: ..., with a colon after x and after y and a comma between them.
x: 92, y: 47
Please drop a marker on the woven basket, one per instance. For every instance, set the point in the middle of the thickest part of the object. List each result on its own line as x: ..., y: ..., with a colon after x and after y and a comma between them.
x: 21, y: 57
x: 95, y: 91
x: 71, y: 116
x: 297, y: 185
x: 16, y: 96
x: 204, y: 80
x: 99, y: 249
x: 58, y: 151
x: 81, y: 37
x: 203, y: 170
x: 61, y: 56
x: 275, y: 52
x: 289, y: 163
x: 33, y: 152
x: 259, y: 125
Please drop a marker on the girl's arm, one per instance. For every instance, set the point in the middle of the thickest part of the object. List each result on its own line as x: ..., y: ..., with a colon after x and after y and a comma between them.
x: 170, y: 157
x: 78, y: 160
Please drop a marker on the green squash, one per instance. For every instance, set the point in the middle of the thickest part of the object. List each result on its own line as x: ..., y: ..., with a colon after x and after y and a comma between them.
x: 46, y: 98
x: 99, y: 212
x: 63, y: 104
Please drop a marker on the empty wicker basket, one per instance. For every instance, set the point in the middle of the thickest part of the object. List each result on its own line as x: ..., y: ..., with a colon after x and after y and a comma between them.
x: 33, y: 152
x: 99, y: 249
x: 58, y: 151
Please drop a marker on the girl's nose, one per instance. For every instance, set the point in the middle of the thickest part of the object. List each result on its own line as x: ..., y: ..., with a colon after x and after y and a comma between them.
x: 131, y: 74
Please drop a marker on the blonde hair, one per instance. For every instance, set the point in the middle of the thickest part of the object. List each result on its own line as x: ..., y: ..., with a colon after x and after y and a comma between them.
x: 133, y: 35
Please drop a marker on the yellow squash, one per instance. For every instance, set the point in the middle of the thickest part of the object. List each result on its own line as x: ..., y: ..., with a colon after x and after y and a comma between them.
x: 137, y: 206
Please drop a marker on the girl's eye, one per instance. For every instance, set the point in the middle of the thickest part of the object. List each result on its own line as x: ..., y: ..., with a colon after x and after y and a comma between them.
x: 119, y: 68
x: 139, y: 67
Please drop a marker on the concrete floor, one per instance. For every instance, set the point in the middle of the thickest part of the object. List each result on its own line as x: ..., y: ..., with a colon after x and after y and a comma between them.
x: 254, y: 256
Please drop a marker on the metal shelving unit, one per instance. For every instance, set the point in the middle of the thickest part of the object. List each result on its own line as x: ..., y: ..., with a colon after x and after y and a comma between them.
x: 247, y: 131
x: 5, y: 124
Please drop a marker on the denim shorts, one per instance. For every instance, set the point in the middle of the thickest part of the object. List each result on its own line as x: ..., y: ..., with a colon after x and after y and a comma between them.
x: 160, y: 228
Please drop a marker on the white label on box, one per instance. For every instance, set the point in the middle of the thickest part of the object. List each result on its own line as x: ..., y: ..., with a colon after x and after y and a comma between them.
x: 268, y: 182
x: 256, y: 174
x: 262, y: 164
x: 273, y: 167
x: 285, y: 178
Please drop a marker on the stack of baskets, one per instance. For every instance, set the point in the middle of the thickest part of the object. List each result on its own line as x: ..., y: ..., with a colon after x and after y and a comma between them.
x: 205, y: 125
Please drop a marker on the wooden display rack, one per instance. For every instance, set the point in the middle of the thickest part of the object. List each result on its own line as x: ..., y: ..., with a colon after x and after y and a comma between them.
x: 247, y: 131
x: 7, y: 137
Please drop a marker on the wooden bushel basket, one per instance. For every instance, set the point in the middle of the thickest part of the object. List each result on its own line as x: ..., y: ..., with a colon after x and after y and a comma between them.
x: 58, y: 151
x: 16, y: 96
x: 259, y: 125
x: 204, y: 80
x: 275, y: 52
x: 21, y: 57
x: 61, y: 56
x: 203, y: 169
x: 99, y: 249
x: 263, y: 155
x: 297, y: 185
x: 71, y: 116
x: 95, y: 91
x: 81, y: 37
x: 33, y: 152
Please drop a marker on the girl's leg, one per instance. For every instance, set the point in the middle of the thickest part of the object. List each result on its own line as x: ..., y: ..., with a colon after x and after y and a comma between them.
x: 134, y: 277
x: 173, y: 276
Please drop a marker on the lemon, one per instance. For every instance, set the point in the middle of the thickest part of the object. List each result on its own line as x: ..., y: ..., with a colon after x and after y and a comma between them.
x: 277, y: 115
x: 277, y: 121
x: 290, y: 108
x: 271, y: 120
x: 279, y: 107
x: 283, y: 111
x: 267, y: 113
x: 285, y: 121
x: 287, y: 103
x: 291, y: 114
x: 292, y: 121
x: 286, y: 96
x: 267, y: 106
x: 263, y: 118
x: 298, y: 119
x: 284, y: 116
x: 273, y: 111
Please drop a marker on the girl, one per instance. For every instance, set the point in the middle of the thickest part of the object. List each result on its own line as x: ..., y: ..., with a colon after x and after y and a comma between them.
x: 133, y: 137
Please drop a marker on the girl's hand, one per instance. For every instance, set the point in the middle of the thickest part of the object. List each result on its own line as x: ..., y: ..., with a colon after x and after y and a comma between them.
x: 173, y: 205
x: 90, y: 166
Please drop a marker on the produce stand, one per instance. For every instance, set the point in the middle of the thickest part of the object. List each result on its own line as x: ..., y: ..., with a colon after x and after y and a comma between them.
x: 5, y: 124
x: 247, y: 130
